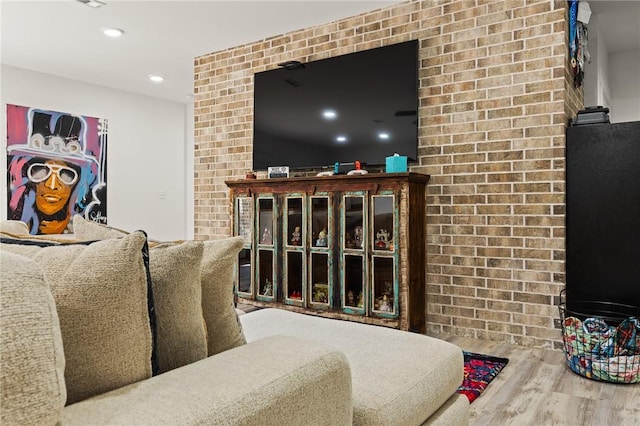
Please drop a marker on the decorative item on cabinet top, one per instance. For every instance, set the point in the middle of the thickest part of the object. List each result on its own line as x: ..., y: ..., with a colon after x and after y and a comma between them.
x: 345, y: 247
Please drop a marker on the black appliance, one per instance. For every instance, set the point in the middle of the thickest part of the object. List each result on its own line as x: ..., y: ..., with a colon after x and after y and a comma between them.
x: 603, y: 213
x: 359, y: 106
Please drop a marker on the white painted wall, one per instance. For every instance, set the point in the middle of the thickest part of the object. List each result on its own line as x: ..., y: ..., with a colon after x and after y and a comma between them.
x: 596, y: 84
x: 149, y: 150
x: 624, y: 74
x: 611, y: 79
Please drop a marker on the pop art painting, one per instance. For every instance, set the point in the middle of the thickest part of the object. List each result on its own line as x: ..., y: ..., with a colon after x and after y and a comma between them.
x: 56, y: 166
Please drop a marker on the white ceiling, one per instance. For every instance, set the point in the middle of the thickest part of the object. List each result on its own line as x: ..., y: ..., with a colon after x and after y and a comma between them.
x: 63, y: 37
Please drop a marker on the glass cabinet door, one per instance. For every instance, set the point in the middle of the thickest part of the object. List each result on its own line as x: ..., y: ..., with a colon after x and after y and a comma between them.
x: 294, y: 218
x: 353, y: 249
x: 244, y: 228
x: 384, y: 261
x: 266, y: 219
x: 383, y: 223
x: 266, y: 278
x: 243, y: 281
x: 353, y: 226
x: 321, y: 222
x: 294, y: 240
x: 320, y: 285
x: 352, y: 281
x: 384, y: 291
x: 295, y: 274
x: 320, y: 243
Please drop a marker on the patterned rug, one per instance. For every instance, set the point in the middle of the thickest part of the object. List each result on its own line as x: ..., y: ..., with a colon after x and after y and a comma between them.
x: 479, y: 371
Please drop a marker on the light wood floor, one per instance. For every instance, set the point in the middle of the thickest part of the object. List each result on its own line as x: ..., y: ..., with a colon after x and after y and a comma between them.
x: 537, y: 388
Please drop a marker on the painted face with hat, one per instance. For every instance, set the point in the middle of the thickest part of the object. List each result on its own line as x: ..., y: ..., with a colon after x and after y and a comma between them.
x: 54, y: 181
x: 51, y: 174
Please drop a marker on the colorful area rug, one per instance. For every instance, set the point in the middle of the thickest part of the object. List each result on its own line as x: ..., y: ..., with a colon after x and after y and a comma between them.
x: 479, y: 371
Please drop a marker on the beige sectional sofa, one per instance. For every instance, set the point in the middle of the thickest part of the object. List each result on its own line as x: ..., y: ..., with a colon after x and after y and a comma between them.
x: 120, y: 330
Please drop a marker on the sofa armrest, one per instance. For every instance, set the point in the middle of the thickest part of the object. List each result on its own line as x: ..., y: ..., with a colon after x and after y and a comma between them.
x: 277, y: 380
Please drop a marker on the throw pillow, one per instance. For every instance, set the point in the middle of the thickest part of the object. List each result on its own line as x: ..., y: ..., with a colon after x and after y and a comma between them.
x: 177, y: 298
x: 175, y: 276
x: 100, y: 290
x: 50, y: 238
x: 216, y: 277
x: 31, y: 354
x: 14, y: 227
x: 85, y: 229
x: 218, y: 269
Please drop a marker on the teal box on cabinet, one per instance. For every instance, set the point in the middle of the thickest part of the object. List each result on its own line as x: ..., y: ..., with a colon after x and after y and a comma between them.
x: 396, y: 164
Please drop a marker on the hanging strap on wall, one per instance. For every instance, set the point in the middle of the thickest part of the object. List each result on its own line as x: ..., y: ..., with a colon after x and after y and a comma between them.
x: 573, y: 21
x: 579, y: 14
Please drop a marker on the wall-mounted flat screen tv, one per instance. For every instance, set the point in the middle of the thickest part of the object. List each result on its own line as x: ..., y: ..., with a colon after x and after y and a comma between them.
x: 360, y: 106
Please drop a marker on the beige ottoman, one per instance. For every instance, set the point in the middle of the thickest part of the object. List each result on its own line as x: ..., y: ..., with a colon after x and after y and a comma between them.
x: 398, y: 378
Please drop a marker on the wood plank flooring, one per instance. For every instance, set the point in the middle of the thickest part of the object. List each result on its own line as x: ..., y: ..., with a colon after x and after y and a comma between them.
x: 537, y: 388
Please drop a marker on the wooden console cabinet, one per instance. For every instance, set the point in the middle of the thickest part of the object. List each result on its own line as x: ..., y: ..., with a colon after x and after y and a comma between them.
x: 347, y: 247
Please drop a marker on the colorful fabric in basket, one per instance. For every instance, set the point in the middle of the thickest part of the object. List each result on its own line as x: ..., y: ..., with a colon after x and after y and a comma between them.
x: 601, y: 352
x: 618, y: 369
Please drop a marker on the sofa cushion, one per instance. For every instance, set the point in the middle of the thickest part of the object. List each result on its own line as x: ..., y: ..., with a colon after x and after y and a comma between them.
x: 31, y: 353
x: 454, y: 412
x: 100, y: 291
x: 216, y: 278
x: 398, y: 377
x: 177, y: 298
x: 276, y: 381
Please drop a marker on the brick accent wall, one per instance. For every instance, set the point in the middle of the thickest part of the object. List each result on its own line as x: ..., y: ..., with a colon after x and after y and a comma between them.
x: 495, y: 97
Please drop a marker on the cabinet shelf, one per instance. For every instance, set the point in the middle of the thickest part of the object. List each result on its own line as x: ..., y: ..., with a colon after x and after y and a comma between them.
x: 347, y: 247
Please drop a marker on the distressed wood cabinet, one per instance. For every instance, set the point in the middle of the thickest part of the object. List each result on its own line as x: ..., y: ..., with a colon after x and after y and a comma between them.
x: 347, y: 247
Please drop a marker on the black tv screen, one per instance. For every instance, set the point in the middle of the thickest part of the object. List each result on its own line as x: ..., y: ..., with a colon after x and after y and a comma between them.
x: 360, y: 106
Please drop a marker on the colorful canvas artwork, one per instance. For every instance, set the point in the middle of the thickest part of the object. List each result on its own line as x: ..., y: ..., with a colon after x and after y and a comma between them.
x: 56, y: 167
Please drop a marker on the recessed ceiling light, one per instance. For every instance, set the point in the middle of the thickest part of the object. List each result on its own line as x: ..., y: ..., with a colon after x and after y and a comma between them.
x: 156, y: 78
x: 341, y: 138
x: 93, y: 3
x: 383, y: 135
x: 112, y: 32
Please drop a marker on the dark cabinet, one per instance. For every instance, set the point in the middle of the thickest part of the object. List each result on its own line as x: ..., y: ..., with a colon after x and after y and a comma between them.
x: 603, y: 213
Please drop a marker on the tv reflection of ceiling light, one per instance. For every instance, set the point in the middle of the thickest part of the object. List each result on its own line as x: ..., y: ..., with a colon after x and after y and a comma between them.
x: 383, y: 135
x: 112, y: 32
x: 329, y: 114
x: 341, y: 139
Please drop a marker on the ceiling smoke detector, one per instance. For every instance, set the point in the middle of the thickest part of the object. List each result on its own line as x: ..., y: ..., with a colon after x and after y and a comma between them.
x: 93, y: 3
